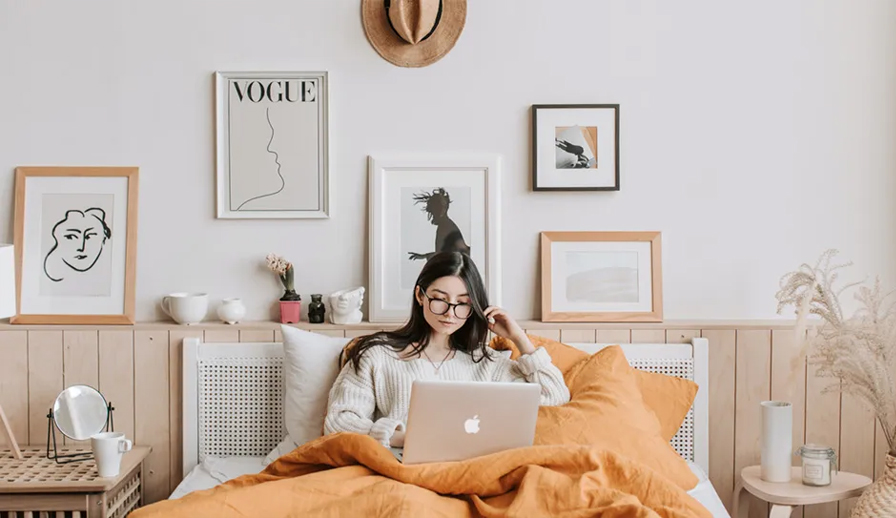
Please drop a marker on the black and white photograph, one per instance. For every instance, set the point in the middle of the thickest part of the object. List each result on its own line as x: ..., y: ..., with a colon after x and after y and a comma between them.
x: 420, y: 206
x: 76, y: 242
x: 601, y: 276
x: 272, y: 145
x: 575, y: 147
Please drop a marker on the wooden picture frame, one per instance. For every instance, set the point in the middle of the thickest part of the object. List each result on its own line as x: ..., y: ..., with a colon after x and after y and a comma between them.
x: 575, y: 147
x: 76, y: 245
x: 601, y: 277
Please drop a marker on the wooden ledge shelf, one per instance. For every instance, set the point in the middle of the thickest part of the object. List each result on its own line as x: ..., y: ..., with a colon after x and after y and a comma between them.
x: 365, y: 326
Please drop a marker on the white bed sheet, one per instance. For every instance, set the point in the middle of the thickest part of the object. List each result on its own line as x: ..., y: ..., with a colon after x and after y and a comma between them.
x: 214, y: 470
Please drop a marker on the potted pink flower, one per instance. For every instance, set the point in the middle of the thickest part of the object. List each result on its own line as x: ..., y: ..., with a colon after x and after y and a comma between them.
x: 290, y: 302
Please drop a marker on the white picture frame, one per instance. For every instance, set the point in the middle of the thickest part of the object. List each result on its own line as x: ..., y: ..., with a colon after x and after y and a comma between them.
x: 400, y: 189
x: 277, y: 123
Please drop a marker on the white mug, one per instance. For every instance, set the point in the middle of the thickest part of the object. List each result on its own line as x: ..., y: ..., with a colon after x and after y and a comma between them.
x: 186, y: 308
x: 108, y: 447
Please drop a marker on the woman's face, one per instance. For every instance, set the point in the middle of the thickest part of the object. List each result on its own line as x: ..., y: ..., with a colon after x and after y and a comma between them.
x: 81, y: 239
x: 449, y: 289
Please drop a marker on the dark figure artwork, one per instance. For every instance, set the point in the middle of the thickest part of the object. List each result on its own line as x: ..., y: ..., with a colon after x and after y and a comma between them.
x: 448, y: 236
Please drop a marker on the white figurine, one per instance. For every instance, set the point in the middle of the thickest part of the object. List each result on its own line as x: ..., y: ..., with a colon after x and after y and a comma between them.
x: 345, y: 306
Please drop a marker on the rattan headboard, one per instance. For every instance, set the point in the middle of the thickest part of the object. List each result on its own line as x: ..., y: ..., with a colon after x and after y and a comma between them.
x: 233, y: 396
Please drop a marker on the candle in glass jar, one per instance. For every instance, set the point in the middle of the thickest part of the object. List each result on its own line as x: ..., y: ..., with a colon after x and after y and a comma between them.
x: 817, y: 462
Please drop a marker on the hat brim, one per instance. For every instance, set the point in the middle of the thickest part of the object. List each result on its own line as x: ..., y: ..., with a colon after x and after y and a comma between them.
x: 399, y: 52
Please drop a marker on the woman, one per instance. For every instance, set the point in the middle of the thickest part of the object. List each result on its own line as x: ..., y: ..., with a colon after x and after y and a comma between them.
x: 446, y: 338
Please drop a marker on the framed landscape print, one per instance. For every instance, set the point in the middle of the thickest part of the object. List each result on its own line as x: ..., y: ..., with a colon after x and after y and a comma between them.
x: 575, y: 147
x: 420, y: 205
x: 76, y: 244
x: 601, y: 277
x: 272, y: 145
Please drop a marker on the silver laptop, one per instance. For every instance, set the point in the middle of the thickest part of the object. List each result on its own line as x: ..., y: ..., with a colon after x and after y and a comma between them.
x: 458, y: 420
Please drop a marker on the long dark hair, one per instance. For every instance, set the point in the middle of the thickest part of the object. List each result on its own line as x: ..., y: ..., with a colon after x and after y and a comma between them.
x: 470, y: 338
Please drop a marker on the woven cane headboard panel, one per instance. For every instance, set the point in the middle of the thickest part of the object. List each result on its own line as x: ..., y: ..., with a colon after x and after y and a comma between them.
x: 233, y: 396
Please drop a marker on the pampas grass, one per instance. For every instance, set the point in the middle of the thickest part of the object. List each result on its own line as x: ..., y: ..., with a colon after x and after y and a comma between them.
x: 858, y: 351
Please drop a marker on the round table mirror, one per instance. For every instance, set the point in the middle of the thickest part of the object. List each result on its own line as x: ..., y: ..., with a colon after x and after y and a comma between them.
x: 80, y: 412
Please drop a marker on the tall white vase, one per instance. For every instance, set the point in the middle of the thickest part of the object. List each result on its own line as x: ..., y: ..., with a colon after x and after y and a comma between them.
x: 776, y: 441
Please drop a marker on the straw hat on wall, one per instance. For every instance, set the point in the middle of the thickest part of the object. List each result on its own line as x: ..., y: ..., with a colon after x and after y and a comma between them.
x: 413, y: 33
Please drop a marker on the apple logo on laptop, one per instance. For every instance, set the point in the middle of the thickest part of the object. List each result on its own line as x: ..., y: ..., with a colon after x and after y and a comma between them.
x: 472, y: 425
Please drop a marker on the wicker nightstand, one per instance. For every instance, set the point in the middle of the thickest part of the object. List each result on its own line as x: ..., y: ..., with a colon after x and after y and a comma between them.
x: 37, y: 486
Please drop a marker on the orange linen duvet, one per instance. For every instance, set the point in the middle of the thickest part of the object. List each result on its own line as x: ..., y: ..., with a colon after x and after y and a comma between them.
x: 352, y: 475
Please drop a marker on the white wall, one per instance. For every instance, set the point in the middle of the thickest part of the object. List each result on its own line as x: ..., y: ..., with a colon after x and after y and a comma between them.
x: 753, y: 136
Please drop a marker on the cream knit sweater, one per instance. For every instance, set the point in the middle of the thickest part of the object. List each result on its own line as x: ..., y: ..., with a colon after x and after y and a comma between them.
x: 375, y: 400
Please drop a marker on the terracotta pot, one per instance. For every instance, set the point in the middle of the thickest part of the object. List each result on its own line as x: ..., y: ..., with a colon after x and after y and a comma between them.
x: 879, y: 500
x: 290, y: 311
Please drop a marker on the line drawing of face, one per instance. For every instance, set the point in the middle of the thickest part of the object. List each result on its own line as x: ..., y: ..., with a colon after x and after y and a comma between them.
x: 78, y: 242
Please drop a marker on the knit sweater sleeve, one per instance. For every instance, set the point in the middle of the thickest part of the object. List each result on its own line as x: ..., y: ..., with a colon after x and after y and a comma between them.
x: 352, y: 404
x: 535, y: 367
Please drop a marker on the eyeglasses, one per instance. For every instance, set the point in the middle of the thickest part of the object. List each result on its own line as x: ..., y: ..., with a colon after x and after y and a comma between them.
x: 440, y: 307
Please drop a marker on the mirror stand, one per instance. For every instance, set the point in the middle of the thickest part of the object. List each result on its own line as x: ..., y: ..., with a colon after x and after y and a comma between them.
x: 73, y: 457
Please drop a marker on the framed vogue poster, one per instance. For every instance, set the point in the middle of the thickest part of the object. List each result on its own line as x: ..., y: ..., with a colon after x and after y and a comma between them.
x: 601, y: 277
x: 272, y: 145
x: 420, y: 205
x: 575, y: 147
x: 76, y: 244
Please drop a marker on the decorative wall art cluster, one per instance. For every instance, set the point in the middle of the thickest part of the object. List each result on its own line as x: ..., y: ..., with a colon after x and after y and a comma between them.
x: 76, y: 227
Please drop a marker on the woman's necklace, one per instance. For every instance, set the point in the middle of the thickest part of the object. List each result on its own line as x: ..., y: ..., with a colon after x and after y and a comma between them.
x: 439, y: 366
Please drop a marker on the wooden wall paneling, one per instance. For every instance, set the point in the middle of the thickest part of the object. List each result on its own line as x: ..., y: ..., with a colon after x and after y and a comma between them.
x: 789, y: 384
x: 14, y: 382
x: 722, y: 361
x: 151, y: 398
x: 116, y: 366
x: 822, y: 427
x: 614, y: 336
x: 571, y: 336
x: 80, y: 365
x: 648, y: 336
x: 752, y: 386
x: 175, y: 402
x: 550, y: 334
x: 44, y: 381
x: 680, y: 336
x: 221, y: 335
x: 256, y: 335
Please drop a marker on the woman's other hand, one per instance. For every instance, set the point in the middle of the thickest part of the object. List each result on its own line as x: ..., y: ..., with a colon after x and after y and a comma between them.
x: 397, y: 440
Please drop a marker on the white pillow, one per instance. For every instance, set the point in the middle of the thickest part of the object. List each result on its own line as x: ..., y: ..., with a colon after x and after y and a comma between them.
x: 310, y: 366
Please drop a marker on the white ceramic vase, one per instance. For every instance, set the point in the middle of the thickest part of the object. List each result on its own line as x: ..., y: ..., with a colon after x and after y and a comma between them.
x: 231, y: 311
x: 776, y: 442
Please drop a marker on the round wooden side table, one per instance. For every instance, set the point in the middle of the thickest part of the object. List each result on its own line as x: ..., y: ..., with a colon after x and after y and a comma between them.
x: 785, y: 495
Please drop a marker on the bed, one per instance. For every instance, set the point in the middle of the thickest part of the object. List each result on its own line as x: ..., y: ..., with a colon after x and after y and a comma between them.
x: 233, y: 407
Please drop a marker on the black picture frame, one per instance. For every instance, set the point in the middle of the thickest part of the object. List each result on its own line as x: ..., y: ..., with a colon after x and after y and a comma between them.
x: 545, y: 185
